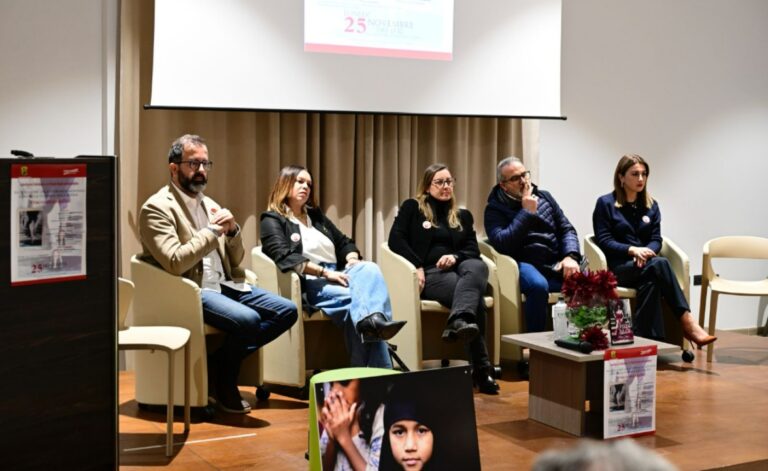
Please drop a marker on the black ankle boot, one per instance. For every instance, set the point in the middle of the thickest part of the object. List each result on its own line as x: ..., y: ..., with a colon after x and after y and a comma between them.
x: 376, y: 327
x: 459, y: 329
x: 484, y: 381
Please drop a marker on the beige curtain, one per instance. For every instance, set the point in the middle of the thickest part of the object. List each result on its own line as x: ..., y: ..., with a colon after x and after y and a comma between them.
x: 363, y: 165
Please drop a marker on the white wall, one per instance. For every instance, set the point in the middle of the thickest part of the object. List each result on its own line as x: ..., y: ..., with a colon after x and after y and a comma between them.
x: 684, y: 83
x: 57, y: 76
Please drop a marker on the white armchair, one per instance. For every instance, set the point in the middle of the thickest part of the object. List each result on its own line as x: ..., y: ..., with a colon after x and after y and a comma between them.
x: 420, y: 339
x: 313, y: 343
x: 510, y: 298
x: 165, y: 299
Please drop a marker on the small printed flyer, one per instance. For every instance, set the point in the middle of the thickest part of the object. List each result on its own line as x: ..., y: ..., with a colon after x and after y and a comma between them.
x: 47, y: 223
x: 629, y: 391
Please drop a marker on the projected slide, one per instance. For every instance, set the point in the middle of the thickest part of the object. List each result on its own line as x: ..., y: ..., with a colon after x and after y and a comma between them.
x: 415, y: 29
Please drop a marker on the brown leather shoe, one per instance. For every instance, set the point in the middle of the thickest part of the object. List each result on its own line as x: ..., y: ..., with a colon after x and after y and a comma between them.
x: 694, y: 332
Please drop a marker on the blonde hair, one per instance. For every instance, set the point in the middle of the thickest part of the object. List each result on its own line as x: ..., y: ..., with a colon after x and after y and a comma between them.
x: 625, y: 163
x: 281, y: 191
x: 423, y: 192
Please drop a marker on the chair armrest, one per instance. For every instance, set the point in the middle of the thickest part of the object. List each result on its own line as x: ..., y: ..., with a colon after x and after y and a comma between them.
x: 493, y: 315
x: 165, y: 299
x: 272, y: 279
x: 680, y: 264
x: 596, y: 259
x: 403, y: 287
x: 251, y: 278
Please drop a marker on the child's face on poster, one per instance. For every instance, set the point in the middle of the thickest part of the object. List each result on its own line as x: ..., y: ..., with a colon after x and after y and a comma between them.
x: 411, y: 443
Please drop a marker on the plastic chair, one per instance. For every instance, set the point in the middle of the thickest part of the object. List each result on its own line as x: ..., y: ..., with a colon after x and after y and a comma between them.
x: 165, y: 299
x: 747, y: 247
x: 681, y: 266
x: 164, y: 338
x: 314, y: 343
x: 420, y: 339
x: 511, y: 299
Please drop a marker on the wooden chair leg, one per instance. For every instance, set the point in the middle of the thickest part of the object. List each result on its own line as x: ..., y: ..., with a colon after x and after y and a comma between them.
x: 703, y: 302
x: 712, y: 322
x: 186, y: 388
x: 169, y: 412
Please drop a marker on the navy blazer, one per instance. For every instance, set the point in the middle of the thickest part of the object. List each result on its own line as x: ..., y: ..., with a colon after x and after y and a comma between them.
x: 410, y: 238
x: 615, y: 232
x: 277, y: 239
x: 541, y: 239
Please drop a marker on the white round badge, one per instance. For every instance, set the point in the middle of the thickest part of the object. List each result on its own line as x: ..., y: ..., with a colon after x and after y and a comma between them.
x: 426, y: 225
x: 295, y: 237
x: 646, y: 219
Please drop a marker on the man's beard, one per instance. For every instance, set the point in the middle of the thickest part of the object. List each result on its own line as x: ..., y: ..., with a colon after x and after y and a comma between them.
x: 194, y: 185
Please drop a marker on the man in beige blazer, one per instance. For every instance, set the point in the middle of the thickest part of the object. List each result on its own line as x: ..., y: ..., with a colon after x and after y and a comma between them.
x: 190, y: 235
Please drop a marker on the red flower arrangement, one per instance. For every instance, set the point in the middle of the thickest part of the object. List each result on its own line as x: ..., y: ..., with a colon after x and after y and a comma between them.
x: 590, y: 288
x: 589, y: 294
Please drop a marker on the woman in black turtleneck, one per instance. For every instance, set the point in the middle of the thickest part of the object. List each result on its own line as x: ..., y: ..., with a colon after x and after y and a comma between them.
x: 439, y: 239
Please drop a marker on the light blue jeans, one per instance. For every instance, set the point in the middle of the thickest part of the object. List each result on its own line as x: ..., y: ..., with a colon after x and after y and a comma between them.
x: 346, y: 306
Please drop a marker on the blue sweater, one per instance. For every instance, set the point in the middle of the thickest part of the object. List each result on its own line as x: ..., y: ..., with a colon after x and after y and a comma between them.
x: 617, y: 229
x: 540, y: 239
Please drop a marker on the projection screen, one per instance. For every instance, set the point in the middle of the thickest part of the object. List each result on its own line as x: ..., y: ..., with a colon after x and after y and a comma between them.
x: 462, y: 57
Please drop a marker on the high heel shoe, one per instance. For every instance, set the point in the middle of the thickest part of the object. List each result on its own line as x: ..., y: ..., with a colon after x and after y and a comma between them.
x: 484, y: 381
x: 693, y: 332
x: 376, y: 327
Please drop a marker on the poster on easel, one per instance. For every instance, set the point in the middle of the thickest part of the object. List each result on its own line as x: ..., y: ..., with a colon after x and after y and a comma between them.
x: 630, y: 392
x: 48, y: 230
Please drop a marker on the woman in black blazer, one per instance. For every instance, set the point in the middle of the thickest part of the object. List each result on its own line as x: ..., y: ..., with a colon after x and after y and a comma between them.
x: 297, y: 236
x: 627, y: 224
x: 439, y: 239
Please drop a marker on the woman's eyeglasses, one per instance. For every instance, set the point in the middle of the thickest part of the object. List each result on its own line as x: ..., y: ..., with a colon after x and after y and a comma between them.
x: 441, y: 183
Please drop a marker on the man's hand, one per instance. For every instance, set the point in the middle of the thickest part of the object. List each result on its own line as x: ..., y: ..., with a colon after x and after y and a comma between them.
x: 224, y: 218
x: 529, y: 200
x: 569, y: 266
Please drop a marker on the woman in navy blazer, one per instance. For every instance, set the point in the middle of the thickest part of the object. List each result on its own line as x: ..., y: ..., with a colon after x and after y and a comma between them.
x: 627, y: 225
x: 439, y: 239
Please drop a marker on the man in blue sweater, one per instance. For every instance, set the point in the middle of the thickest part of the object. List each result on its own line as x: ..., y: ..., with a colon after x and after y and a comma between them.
x: 527, y: 224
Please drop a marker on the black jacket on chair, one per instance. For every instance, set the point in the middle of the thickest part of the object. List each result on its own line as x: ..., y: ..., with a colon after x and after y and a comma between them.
x: 410, y: 238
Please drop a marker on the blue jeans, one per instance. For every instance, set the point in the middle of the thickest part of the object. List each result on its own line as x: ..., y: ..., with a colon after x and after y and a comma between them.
x: 346, y: 306
x: 536, y: 288
x: 250, y: 319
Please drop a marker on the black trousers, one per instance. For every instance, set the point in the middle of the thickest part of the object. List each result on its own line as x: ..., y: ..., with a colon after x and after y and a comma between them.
x: 654, y: 281
x: 462, y: 289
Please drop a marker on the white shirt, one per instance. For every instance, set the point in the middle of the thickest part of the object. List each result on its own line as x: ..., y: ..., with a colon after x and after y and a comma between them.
x: 316, y: 246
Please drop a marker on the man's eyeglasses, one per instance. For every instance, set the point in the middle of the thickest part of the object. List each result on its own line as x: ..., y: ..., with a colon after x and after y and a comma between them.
x: 196, y: 164
x: 442, y: 183
x: 516, y: 178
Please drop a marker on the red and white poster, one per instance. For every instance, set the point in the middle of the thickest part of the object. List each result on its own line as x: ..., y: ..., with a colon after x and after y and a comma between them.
x: 47, y: 223
x: 630, y: 391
